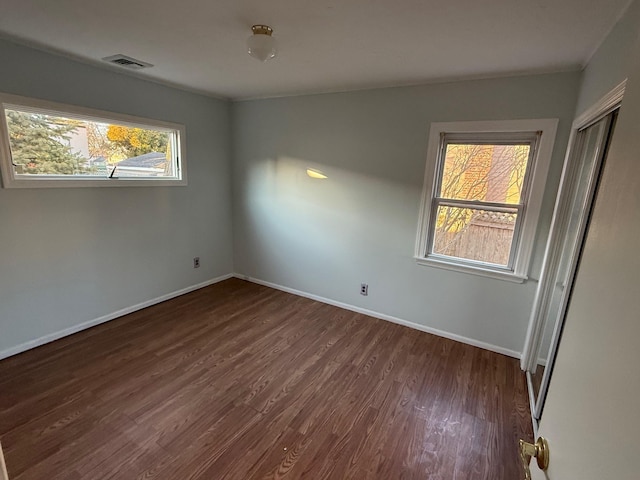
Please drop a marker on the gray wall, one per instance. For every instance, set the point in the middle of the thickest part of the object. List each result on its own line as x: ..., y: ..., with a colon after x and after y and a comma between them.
x: 68, y: 256
x: 73, y: 255
x: 325, y: 237
x: 609, y: 65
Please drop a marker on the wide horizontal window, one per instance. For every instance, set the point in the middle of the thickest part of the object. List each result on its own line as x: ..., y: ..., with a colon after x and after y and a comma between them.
x: 482, y: 195
x: 46, y: 144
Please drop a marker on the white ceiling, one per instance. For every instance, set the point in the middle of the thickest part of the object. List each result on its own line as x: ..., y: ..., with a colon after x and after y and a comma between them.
x: 325, y: 45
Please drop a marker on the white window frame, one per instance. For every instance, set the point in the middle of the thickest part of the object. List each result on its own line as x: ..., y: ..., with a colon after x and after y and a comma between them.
x: 10, y: 179
x: 532, y: 196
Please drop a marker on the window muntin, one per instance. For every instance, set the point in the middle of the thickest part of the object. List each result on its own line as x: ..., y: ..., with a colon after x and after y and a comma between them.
x: 483, y: 190
x: 45, y: 144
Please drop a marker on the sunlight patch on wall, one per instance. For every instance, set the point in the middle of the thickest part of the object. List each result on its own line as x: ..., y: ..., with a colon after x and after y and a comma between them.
x: 313, y: 173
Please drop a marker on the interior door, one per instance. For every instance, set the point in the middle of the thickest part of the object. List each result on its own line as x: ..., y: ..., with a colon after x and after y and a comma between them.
x: 591, y: 418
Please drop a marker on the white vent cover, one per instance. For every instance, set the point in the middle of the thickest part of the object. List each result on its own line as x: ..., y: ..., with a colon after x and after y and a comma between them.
x: 127, y: 62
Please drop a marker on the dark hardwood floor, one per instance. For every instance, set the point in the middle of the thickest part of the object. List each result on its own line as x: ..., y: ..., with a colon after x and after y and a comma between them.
x: 239, y: 381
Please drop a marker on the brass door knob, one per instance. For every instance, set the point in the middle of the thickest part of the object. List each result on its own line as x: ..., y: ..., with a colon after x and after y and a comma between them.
x: 539, y: 450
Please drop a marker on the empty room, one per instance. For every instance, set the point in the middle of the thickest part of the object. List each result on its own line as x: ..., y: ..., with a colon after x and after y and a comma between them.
x: 319, y: 240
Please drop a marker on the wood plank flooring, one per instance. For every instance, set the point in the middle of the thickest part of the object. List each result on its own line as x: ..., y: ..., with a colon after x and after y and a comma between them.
x: 239, y: 381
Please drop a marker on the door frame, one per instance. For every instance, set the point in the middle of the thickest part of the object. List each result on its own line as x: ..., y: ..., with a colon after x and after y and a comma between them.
x: 528, y: 362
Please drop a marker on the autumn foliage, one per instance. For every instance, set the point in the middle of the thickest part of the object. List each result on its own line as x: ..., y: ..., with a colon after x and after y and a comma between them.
x: 137, y: 141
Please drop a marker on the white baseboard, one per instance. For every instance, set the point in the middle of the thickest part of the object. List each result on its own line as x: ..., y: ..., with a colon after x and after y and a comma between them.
x: 105, y: 318
x: 125, y: 311
x: 389, y: 318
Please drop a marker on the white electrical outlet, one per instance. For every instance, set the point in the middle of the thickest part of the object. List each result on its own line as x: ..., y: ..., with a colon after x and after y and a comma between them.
x: 364, y: 289
x: 196, y: 262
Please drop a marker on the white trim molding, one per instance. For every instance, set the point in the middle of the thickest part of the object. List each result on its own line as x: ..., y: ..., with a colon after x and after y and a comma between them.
x: 532, y: 406
x: 23, y: 347
x: 384, y: 316
x: 125, y: 311
x: 555, y: 247
x: 604, y: 106
x: 475, y: 270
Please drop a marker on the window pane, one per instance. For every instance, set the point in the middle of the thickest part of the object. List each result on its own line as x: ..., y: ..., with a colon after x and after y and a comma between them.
x: 51, y: 144
x: 491, y: 173
x: 473, y: 234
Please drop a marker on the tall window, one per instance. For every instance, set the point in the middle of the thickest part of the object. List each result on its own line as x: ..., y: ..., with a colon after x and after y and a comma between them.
x: 46, y: 144
x: 482, y: 195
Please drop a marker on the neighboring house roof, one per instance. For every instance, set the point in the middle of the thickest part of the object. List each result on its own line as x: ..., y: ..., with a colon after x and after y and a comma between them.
x: 148, y: 160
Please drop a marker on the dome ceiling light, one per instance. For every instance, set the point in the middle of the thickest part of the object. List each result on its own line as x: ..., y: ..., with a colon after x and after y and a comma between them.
x: 261, y: 45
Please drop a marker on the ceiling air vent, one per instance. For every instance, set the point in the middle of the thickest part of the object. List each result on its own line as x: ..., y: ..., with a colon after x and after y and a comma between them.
x: 127, y: 62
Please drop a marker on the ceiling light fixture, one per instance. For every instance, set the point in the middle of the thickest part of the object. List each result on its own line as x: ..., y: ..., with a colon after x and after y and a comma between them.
x: 261, y: 45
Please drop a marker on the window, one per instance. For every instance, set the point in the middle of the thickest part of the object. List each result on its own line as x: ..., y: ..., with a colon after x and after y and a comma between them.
x: 483, y: 189
x: 43, y: 144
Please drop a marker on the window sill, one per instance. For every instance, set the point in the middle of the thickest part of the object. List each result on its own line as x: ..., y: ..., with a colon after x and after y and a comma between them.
x: 92, y: 182
x: 472, y: 269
